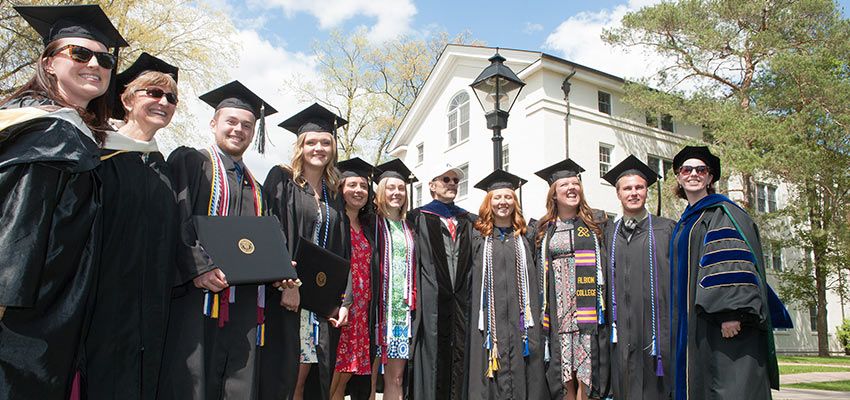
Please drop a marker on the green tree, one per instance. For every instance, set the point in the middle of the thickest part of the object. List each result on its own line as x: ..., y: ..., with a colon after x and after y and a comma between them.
x: 372, y: 85
x: 768, y: 79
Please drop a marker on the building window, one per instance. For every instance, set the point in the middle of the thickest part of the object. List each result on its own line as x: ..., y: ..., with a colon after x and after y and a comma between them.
x: 506, y: 157
x: 604, y: 102
x: 605, y: 151
x: 660, y: 166
x: 765, y: 197
x: 417, y: 195
x: 813, y: 318
x: 420, y: 153
x: 667, y: 122
x: 664, y: 123
x: 459, y: 119
x: 772, y: 256
x: 463, y: 185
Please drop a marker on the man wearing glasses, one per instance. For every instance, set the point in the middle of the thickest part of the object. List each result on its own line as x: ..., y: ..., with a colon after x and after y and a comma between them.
x: 443, y: 233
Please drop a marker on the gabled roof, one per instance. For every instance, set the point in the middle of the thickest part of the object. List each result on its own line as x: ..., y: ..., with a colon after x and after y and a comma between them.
x: 523, y: 62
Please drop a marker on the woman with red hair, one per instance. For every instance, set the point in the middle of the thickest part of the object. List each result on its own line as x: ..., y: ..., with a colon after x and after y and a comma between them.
x: 504, y: 352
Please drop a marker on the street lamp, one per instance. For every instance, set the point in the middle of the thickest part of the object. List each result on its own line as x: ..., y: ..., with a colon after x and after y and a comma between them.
x: 497, y: 88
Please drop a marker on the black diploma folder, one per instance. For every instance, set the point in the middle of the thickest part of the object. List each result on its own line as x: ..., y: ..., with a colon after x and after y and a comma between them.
x: 247, y: 249
x: 324, y: 276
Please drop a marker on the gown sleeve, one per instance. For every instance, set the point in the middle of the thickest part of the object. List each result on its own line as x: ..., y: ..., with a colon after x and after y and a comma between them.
x: 30, y: 196
x: 728, y: 278
x: 187, y: 174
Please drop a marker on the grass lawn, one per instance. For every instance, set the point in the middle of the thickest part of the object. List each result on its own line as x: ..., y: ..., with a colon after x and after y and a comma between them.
x: 838, y: 360
x: 838, y: 386
x: 802, y: 369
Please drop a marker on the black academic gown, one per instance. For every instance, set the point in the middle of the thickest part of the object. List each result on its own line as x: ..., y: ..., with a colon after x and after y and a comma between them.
x: 600, y: 344
x: 50, y: 234
x: 138, y: 262
x: 203, y: 360
x: 724, y: 281
x: 438, y: 364
x: 518, y: 377
x: 633, y: 369
x: 296, y: 207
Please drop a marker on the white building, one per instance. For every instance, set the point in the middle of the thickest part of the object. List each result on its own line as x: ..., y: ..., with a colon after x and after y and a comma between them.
x: 593, y: 127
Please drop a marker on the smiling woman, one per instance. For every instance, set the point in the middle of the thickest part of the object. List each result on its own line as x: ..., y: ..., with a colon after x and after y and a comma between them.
x: 51, y: 205
x: 139, y: 209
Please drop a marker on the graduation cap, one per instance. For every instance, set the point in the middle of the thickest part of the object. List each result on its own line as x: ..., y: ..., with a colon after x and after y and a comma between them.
x: 562, y: 169
x: 144, y: 63
x: 500, y: 179
x: 314, y: 119
x: 700, y: 153
x: 236, y: 95
x: 631, y: 166
x: 396, y: 169
x: 356, y: 167
x: 72, y: 21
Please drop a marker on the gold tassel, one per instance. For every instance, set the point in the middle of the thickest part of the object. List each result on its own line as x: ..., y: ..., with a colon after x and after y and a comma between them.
x: 493, y: 365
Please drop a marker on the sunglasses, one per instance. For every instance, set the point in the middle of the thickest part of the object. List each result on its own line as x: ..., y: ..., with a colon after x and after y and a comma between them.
x: 686, y: 170
x: 156, y: 93
x: 81, y: 54
x: 446, y: 180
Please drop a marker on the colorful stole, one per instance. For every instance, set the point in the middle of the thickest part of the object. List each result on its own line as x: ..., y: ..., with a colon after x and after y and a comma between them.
x: 653, y: 288
x: 409, y: 292
x: 491, y: 342
x: 590, y: 278
x: 219, y: 205
x: 320, y: 237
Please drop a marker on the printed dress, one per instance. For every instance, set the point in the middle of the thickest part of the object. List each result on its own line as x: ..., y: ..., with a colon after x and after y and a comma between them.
x: 397, y: 311
x: 575, y: 346
x: 353, y: 351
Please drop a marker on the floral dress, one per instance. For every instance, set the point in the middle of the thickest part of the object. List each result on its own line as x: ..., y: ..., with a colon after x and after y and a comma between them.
x: 353, y: 350
x: 575, y: 346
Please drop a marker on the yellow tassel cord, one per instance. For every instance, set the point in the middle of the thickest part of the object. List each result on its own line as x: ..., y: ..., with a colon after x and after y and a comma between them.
x: 214, y: 313
x: 493, y: 365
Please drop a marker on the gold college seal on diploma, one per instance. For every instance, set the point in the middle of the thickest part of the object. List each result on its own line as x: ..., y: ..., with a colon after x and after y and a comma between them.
x: 321, y: 279
x: 246, y: 246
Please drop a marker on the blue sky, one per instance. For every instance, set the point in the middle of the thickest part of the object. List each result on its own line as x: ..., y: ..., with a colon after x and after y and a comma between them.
x: 275, y: 39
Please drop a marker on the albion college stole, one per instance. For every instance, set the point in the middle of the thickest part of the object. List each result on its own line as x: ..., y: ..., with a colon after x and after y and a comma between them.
x: 587, y: 278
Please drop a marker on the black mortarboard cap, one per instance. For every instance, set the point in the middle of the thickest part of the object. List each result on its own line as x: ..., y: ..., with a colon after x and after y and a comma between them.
x: 314, y: 119
x: 144, y: 63
x: 396, y: 169
x: 562, y: 169
x: 500, y: 179
x: 355, y: 167
x: 631, y: 166
x: 72, y: 21
x: 700, y: 153
x: 236, y: 95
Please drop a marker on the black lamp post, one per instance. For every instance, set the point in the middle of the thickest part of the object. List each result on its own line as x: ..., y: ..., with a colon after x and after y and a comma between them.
x: 497, y: 88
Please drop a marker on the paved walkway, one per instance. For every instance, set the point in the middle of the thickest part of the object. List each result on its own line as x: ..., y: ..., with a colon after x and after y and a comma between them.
x: 809, y: 394
x: 814, y: 377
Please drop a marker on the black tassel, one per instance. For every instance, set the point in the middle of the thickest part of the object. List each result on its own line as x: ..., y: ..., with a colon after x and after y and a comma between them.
x: 261, y: 131
x: 659, y: 184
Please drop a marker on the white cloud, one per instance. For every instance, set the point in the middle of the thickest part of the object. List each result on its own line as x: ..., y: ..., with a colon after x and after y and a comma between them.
x: 393, y: 17
x: 578, y: 39
x: 531, y: 28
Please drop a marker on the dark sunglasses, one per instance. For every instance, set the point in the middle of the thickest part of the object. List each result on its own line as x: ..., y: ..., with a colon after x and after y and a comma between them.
x: 446, y: 180
x: 686, y: 170
x: 83, y: 55
x: 156, y: 93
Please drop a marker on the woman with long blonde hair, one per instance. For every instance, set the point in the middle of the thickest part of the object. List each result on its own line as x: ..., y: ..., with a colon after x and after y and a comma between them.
x: 305, y: 197
x: 568, y: 240
x: 394, y: 292
x: 505, y: 356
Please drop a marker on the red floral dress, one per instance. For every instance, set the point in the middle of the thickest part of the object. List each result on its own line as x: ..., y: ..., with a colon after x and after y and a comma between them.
x: 353, y: 352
